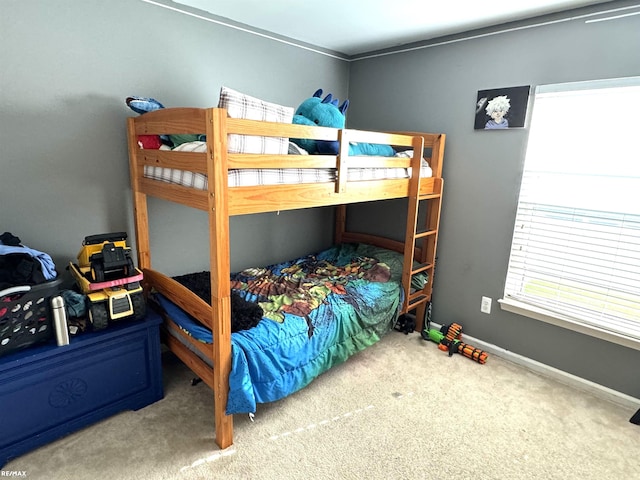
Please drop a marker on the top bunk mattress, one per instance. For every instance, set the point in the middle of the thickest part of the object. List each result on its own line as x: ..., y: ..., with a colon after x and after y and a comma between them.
x: 249, y: 177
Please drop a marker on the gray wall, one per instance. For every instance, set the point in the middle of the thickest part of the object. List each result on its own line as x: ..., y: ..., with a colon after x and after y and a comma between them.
x: 67, y: 67
x: 434, y: 89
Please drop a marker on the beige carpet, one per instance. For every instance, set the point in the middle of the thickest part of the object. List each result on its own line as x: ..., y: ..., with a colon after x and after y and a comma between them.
x: 400, y: 410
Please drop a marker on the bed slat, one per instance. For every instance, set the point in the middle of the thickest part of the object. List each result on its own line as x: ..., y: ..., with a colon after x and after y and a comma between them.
x: 196, y: 364
x: 175, y: 193
x: 169, y: 121
x: 248, y: 160
x: 191, y: 161
x: 364, y: 136
x: 202, y: 347
x: 180, y: 295
x: 245, y: 200
x: 272, y: 129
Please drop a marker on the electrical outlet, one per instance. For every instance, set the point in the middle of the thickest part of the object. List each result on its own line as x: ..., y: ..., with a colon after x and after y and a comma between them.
x: 485, y: 305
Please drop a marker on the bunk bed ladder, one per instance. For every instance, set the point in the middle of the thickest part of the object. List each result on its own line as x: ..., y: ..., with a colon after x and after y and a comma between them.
x: 420, y: 238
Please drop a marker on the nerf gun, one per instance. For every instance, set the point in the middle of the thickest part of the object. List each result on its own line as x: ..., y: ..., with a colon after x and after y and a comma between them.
x: 448, y: 340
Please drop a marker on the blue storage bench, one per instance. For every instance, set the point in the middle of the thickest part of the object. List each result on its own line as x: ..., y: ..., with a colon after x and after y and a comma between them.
x: 47, y: 391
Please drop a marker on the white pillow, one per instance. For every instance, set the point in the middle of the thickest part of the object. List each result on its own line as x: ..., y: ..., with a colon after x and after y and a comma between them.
x: 200, y: 147
x: 239, y: 105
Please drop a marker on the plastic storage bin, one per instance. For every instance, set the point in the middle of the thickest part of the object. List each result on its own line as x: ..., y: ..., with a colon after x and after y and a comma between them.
x: 26, y: 316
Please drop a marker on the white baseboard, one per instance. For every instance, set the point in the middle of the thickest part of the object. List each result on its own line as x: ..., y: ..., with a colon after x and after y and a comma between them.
x: 563, y: 377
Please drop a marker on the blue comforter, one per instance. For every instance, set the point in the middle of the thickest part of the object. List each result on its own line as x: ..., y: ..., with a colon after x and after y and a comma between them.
x: 319, y: 310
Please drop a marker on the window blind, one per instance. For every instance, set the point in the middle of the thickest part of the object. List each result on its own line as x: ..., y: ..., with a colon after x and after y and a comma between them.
x: 576, y: 244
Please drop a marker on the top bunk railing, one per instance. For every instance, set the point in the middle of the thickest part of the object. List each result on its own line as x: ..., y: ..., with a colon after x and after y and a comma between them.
x: 246, y: 199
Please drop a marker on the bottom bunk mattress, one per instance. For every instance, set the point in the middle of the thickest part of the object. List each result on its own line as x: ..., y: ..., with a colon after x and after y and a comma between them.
x: 318, y: 310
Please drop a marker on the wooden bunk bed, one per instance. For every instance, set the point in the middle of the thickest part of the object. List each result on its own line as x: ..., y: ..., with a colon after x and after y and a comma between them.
x: 221, y: 201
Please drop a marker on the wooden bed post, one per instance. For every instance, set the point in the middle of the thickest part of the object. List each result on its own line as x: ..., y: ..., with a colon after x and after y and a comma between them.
x: 341, y: 161
x: 341, y: 183
x: 140, y: 214
x: 219, y: 252
x: 341, y: 223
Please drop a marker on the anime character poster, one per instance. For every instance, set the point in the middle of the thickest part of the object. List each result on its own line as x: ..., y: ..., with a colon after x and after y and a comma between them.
x: 501, y: 108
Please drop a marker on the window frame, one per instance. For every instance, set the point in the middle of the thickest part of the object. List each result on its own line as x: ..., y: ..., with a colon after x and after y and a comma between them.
x: 513, y: 305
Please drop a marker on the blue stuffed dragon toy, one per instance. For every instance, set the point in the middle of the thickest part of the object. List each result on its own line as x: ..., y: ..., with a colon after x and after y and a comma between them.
x: 325, y: 112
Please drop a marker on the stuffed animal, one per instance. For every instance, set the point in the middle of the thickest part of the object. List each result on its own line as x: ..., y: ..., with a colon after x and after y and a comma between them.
x: 244, y: 314
x: 143, y: 105
x: 318, y: 111
x: 325, y: 112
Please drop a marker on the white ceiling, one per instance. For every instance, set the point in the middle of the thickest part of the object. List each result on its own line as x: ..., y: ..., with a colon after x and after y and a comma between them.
x: 356, y: 26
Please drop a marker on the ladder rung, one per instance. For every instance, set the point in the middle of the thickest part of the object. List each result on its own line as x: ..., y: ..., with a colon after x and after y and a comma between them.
x: 416, y: 295
x: 425, y: 232
x: 421, y: 268
x: 428, y: 196
x: 416, y: 300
